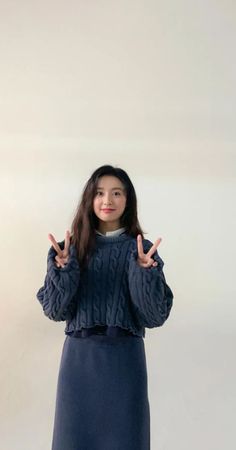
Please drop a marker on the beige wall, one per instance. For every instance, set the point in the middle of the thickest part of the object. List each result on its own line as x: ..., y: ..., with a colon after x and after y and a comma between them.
x: 150, y: 87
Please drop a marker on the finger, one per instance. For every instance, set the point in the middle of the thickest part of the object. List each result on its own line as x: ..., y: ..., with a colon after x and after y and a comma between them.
x: 67, y: 242
x: 154, y: 247
x: 60, y: 264
x: 62, y: 260
x: 150, y: 262
x: 140, y: 246
x: 57, y: 261
x: 55, y: 244
x: 145, y: 264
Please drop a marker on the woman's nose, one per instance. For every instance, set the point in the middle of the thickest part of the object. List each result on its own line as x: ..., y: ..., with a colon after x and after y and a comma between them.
x: 107, y: 201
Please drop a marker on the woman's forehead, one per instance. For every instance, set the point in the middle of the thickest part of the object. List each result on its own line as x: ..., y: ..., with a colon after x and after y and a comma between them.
x: 109, y: 181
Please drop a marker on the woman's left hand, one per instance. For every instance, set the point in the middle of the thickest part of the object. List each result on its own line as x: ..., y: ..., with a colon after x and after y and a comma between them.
x: 145, y: 259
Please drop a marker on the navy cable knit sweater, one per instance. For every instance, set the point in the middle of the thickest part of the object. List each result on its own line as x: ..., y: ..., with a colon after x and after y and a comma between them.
x: 113, y: 290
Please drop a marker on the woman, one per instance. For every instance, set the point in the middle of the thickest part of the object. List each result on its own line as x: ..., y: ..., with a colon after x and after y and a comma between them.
x: 107, y: 283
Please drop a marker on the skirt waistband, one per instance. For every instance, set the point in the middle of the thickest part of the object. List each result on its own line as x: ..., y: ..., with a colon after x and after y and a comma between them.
x: 106, y: 330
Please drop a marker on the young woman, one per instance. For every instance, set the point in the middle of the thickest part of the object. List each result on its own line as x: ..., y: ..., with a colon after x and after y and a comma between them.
x: 107, y: 283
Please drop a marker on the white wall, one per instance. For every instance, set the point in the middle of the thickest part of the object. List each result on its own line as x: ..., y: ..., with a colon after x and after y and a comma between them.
x: 150, y: 87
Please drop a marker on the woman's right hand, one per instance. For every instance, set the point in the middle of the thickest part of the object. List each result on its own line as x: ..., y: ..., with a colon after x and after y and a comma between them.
x: 62, y: 256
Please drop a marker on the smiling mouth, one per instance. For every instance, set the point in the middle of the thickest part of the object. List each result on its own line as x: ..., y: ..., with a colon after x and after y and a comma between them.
x: 108, y: 210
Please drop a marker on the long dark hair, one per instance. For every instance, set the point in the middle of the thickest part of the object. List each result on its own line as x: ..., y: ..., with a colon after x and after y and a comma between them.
x: 85, y: 222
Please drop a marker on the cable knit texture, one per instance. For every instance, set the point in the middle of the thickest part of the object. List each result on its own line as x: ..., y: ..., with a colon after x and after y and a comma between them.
x: 114, y: 289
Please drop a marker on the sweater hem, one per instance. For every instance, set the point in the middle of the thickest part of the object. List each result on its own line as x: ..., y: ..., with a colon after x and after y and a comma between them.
x: 140, y: 333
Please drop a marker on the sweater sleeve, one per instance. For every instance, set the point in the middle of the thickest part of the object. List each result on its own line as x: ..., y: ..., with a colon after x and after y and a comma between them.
x: 152, y: 298
x: 58, y: 294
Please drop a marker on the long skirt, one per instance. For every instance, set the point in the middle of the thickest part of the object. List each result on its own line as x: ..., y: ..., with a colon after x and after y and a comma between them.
x: 102, y: 395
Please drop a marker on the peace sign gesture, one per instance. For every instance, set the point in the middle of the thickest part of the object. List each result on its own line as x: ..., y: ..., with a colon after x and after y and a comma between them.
x: 62, y: 255
x: 145, y: 259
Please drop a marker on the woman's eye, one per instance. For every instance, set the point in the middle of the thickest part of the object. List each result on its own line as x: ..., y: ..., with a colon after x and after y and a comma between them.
x: 116, y: 192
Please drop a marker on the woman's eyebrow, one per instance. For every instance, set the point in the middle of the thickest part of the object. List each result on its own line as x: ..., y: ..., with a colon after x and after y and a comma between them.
x: 112, y: 188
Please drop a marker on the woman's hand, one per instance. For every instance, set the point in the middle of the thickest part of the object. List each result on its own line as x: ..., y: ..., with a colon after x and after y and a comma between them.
x: 62, y: 255
x: 145, y: 259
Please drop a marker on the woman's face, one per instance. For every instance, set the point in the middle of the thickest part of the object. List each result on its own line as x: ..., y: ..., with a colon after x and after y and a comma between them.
x: 109, y: 202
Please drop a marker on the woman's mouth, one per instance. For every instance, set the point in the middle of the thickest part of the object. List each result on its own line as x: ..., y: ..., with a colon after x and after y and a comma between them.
x: 108, y: 210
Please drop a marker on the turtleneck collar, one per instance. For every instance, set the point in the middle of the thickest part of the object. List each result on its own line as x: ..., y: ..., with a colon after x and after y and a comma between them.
x: 112, y: 233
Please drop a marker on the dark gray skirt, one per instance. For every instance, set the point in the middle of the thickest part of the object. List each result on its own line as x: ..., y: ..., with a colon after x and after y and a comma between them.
x: 102, y: 395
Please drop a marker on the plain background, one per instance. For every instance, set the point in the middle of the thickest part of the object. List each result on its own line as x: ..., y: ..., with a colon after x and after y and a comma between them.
x: 148, y: 86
